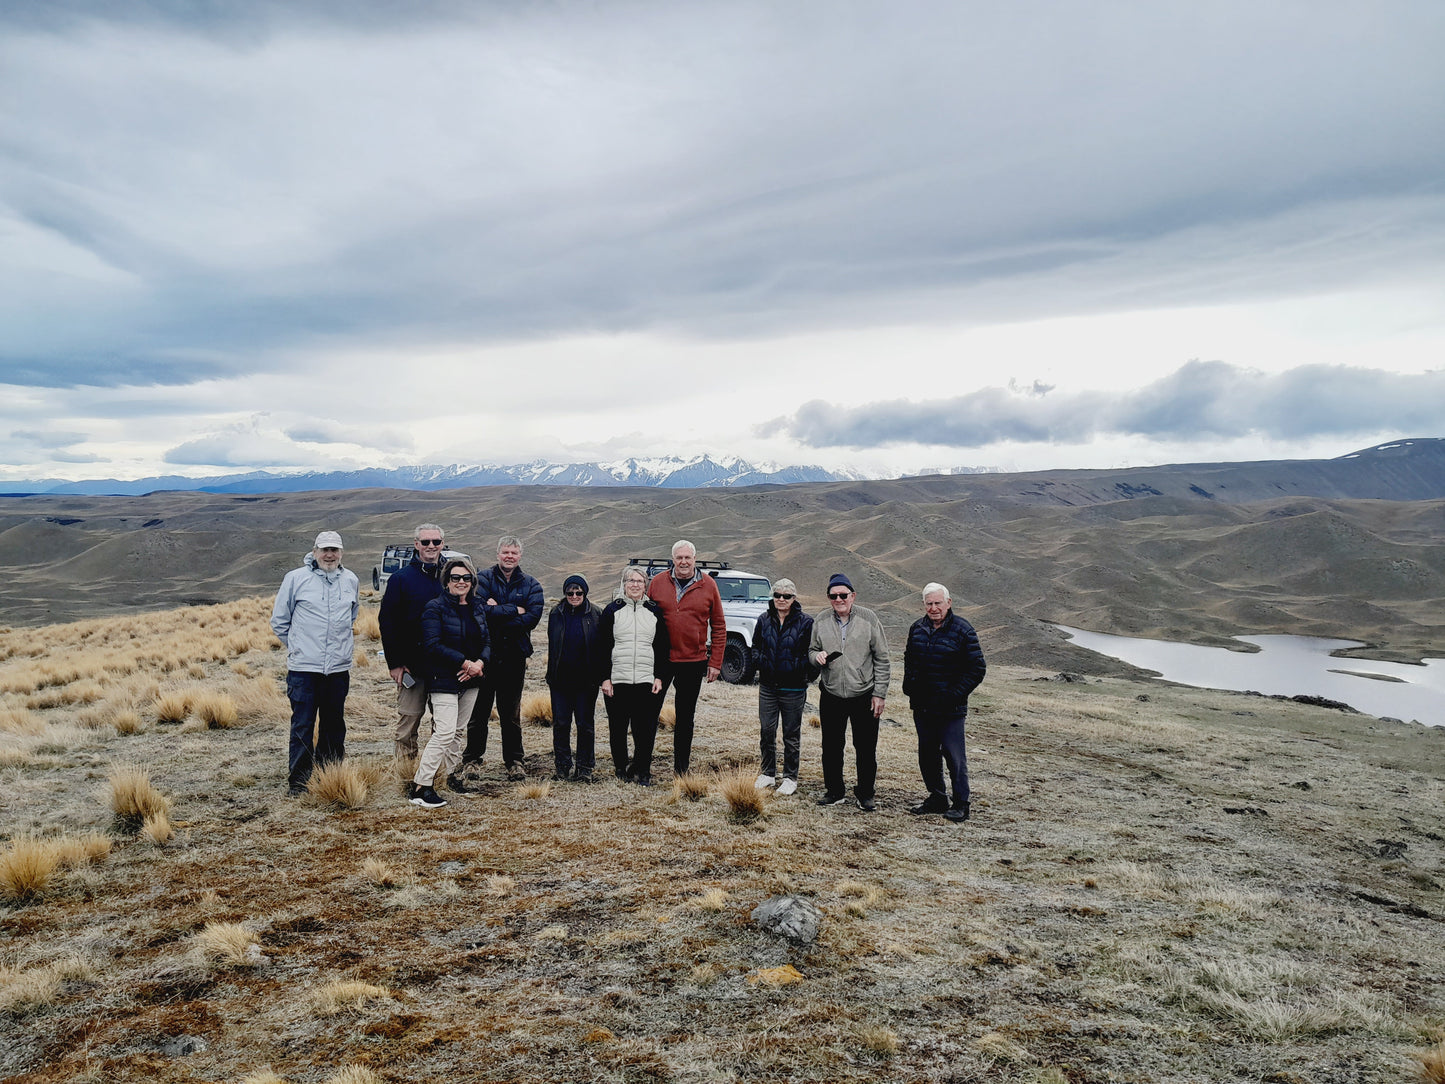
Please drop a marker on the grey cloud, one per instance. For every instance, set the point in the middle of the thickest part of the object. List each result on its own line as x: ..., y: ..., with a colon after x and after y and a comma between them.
x: 1200, y: 400
x: 325, y: 431
x: 49, y: 438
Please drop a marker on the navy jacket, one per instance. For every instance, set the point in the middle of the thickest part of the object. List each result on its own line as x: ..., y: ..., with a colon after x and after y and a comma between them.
x: 407, y: 592
x: 597, y: 661
x: 941, y: 666
x: 451, y: 635
x: 781, y: 653
x: 511, y: 631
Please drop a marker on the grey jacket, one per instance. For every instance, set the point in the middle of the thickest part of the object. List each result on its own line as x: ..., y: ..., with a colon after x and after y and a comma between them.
x: 313, y: 616
x: 863, y: 667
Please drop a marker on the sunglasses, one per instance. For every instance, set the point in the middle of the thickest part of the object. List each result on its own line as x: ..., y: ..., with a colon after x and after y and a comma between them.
x: 839, y: 597
x: 459, y: 577
x: 428, y: 541
x: 574, y: 591
x: 779, y: 594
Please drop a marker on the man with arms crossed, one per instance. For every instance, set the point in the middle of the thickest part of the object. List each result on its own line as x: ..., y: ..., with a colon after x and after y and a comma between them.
x: 407, y: 592
x: 313, y: 616
x: 697, y: 632
x: 852, y: 650
x: 512, y: 602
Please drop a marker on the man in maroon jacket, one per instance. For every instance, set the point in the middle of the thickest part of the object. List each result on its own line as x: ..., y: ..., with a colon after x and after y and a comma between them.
x: 697, y: 632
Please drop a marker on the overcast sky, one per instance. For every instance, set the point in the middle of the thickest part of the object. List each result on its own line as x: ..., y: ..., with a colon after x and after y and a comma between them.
x: 259, y: 235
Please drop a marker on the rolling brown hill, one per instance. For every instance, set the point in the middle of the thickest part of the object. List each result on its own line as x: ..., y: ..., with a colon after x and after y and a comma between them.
x: 1140, y: 552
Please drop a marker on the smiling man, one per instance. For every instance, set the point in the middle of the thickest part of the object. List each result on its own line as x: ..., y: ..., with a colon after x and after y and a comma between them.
x: 407, y: 593
x: 313, y: 616
x: 697, y: 632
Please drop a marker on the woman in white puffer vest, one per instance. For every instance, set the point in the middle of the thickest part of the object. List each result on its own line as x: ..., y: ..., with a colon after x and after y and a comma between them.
x: 634, y: 637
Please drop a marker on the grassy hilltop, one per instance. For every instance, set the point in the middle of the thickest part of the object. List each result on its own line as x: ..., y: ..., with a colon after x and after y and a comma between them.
x: 1159, y: 884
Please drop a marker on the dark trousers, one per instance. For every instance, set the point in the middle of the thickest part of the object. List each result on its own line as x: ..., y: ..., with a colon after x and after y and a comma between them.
x: 501, y: 681
x: 314, y: 695
x: 774, y: 703
x: 687, y: 677
x: 634, y: 706
x: 574, y: 704
x: 940, y: 743
x: 835, y: 713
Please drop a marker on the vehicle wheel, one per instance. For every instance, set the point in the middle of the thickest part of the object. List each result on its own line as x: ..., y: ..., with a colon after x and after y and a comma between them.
x: 737, y: 667
x: 375, y: 579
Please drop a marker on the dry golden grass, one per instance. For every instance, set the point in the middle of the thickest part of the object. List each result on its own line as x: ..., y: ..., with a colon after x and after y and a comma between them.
x: 345, y: 784
x: 691, y: 785
x: 172, y: 707
x: 20, y: 721
x: 667, y: 717
x: 379, y: 872
x: 127, y: 721
x: 347, y: 995
x: 217, y: 710
x: 226, y: 945
x: 537, y: 709
x: 157, y: 828
x: 535, y: 791
x: 714, y: 899
x: 23, y: 992
x: 132, y: 798
x: 880, y: 1040
x: 745, y: 801
x: 368, y: 623
x: 263, y: 1076
x: 1432, y: 1064
x: 27, y: 866
x: 356, y: 1074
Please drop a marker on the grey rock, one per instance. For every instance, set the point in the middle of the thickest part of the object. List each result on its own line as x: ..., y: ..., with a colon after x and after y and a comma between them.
x: 789, y: 916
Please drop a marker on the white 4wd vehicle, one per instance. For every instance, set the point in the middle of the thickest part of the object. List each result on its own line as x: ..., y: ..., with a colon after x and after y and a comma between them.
x: 745, y: 598
x: 395, y: 558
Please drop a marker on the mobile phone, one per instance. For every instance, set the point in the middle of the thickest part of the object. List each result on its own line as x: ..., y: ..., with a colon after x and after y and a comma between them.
x: 833, y: 655
x: 407, y: 681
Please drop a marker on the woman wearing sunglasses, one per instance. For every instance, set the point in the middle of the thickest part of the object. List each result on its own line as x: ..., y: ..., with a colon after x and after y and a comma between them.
x: 455, y: 651
x: 780, y: 646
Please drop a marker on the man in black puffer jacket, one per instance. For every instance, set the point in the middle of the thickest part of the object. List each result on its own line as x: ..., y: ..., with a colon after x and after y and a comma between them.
x: 942, y: 664
x: 407, y: 592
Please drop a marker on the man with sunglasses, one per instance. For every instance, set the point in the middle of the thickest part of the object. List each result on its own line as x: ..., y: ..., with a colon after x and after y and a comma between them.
x: 852, y: 650
x: 407, y: 593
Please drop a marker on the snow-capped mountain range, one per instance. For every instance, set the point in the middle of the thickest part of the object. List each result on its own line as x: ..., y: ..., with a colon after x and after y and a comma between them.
x: 670, y: 472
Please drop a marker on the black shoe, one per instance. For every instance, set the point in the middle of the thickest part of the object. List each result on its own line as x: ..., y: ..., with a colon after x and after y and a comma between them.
x: 867, y: 805
x: 428, y: 798
x: 457, y: 785
x: 623, y: 777
x: 561, y: 775
x: 642, y: 780
x: 958, y: 814
x: 295, y: 790
x: 582, y: 775
x: 932, y: 804
x: 833, y: 799
x: 516, y: 773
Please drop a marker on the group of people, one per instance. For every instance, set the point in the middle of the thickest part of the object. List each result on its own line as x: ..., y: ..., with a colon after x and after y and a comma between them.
x: 458, y: 640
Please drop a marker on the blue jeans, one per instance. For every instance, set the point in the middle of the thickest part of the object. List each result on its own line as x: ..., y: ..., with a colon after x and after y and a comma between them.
x: 574, y: 704
x: 314, y: 695
x: 787, y: 704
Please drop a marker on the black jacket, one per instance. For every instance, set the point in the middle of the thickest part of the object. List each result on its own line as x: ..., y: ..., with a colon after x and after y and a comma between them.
x: 408, y: 590
x: 598, y: 662
x: 451, y: 635
x: 781, y: 652
x: 511, y: 631
x: 941, y: 666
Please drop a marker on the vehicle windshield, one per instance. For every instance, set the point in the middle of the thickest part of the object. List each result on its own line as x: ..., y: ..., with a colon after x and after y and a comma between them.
x: 733, y: 590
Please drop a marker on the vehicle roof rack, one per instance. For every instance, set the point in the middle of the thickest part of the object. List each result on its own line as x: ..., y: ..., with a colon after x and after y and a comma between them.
x: 666, y: 562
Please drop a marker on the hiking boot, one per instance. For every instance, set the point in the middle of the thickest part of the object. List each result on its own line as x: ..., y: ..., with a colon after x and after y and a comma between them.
x: 932, y: 804
x: 561, y: 775
x: 295, y: 790
x: 958, y: 814
x: 788, y: 786
x: 516, y: 773
x: 867, y: 805
x: 457, y: 785
x: 764, y: 782
x: 428, y: 798
x: 833, y: 799
x: 642, y: 780
x: 582, y: 775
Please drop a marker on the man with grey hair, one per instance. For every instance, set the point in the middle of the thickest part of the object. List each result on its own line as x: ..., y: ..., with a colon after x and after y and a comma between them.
x: 408, y: 591
x: 942, y: 665
x: 512, y: 602
x: 697, y: 632
x: 852, y: 650
x: 315, y: 610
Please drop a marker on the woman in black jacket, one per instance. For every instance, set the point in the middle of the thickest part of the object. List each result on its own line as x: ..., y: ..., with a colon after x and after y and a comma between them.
x: 780, y: 647
x: 576, y: 665
x: 455, y: 651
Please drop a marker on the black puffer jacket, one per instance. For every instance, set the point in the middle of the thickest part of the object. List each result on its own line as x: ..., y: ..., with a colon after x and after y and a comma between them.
x: 781, y: 652
x: 407, y: 592
x: 450, y: 635
x: 942, y: 666
x: 511, y: 631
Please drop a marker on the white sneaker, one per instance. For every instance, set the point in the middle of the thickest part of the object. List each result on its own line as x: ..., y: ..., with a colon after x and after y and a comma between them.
x: 764, y: 782
x: 787, y: 786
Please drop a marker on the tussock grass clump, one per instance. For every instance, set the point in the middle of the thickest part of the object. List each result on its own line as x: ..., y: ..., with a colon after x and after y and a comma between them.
x: 346, y: 995
x: 227, y: 944
x: 380, y: 873
x: 26, y: 868
x: 25, y: 992
x: 745, y: 801
x: 1432, y: 1064
x: 667, y: 717
x: 714, y: 899
x: 20, y: 721
x: 499, y: 885
x: 132, y: 798
x: 355, y: 1074
x: 537, y: 709
x: 815, y: 722
x: 157, y: 828
x: 128, y: 721
x: 878, y: 1039
x: 341, y: 783
x: 217, y: 710
x: 172, y: 707
x: 368, y: 623
x: 860, y: 896
x: 691, y: 786
x: 535, y: 791
x: 361, y: 658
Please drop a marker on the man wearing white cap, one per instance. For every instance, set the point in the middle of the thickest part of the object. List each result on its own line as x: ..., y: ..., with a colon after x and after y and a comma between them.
x: 313, y: 616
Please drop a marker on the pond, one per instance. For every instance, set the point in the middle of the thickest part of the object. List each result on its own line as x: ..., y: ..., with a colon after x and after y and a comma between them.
x: 1287, y: 666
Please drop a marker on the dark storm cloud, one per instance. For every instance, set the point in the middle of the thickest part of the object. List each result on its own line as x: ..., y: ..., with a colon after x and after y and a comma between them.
x: 1202, y: 400
x: 191, y: 190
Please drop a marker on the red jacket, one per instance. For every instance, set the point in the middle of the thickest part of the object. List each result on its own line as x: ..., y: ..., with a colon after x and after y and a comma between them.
x: 688, y: 619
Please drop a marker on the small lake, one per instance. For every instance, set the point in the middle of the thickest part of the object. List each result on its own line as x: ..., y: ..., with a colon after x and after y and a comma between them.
x: 1287, y: 666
